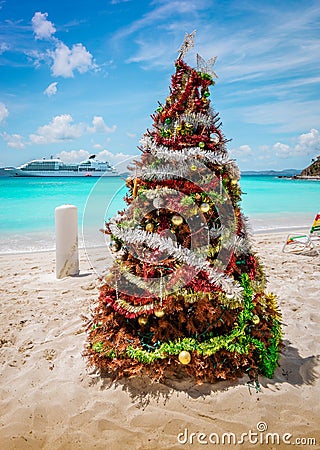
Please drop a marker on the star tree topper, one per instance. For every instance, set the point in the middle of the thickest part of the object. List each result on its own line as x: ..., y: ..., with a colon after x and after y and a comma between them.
x: 187, y: 43
x: 206, y: 66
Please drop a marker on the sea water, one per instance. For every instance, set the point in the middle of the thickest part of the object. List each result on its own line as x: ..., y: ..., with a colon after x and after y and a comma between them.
x: 28, y: 204
x: 273, y: 203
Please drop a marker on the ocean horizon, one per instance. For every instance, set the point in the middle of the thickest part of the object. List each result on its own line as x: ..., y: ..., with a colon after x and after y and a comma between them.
x: 28, y: 206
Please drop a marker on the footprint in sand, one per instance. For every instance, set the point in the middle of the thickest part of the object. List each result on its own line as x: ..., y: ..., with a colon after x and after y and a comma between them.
x: 49, y: 354
x: 88, y: 287
x: 27, y: 346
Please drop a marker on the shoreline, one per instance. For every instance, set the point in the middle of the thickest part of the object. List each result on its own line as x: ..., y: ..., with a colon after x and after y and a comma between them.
x: 252, y: 233
x: 261, y: 233
x: 299, y: 177
x: 306, y: 177
x: 44, y: 240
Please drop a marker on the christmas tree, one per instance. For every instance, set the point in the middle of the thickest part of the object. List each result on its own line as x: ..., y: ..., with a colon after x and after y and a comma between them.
x: 185, y: 291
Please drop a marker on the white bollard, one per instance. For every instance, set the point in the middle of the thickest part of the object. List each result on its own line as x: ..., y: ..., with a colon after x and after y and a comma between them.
x: 67, y: 256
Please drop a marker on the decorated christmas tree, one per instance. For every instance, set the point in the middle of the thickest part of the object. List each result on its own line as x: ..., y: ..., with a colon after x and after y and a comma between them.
x: 185, y: 292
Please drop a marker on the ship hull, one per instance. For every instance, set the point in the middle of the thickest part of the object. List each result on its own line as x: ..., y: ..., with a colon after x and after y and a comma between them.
x: 61, y: 173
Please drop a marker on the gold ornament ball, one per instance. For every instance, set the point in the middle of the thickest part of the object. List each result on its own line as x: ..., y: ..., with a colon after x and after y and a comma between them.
x: 149, y: 227
x: 177, y: 220
x: 204, y: 207
x: 234, y: 182
x: 184, y: 357
x: 143, y: 320
x: 193, y: 167
x: 114, y: 246
x: 255, y: 319
x: 108, y: 277
x: 159, y: 313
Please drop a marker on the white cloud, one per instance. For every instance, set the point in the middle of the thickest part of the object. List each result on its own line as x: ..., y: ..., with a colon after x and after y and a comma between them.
x: 13, y: 140
x: 155, y: 55
x: 42, y: 28
x: 282, y: 150
x: 242, y: 152
x: 66, y: 60
x: 115, y: 2
x: 3, y: 112
x: 292, y: 115
x: 106, y: 154
x: 38, y: 57
x: 119, y: 160
x: 163, y: 11
x: 73, y: 155
x: 3, y: 47
x: 51, y: 89
x: 60, y: 128
x: 308, y: 142
x: 305, y: 144
x: 99, y: 126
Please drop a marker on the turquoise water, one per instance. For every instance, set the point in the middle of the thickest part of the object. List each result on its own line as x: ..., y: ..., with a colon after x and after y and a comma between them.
x: 27, y: 215
x: 28, y: 204
x: 273, y: 203
x: 271, y: 195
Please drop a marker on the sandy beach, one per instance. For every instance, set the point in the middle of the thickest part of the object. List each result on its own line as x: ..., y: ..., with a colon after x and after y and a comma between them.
x: 50, y: 400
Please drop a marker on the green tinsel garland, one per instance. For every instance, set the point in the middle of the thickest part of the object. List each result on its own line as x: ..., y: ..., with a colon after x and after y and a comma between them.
x: 237, y: 341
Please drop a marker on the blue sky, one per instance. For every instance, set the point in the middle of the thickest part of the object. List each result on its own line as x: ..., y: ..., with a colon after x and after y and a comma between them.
x: 82, y: 77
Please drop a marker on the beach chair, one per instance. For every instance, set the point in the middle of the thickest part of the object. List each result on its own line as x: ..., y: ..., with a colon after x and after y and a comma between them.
x: 297, y: 243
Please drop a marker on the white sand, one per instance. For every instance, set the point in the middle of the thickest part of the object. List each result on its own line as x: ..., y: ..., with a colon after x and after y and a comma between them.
x: 50, y: 400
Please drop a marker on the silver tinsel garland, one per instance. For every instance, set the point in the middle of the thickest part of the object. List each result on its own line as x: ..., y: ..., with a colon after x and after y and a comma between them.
x: 196, y: 119
x: 165, y: 172
x: 156, y: 242
x: 217, y: 158
x: 163, y: 152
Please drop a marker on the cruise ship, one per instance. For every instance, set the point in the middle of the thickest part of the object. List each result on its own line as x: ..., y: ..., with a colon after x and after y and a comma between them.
x: 54, y: 167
